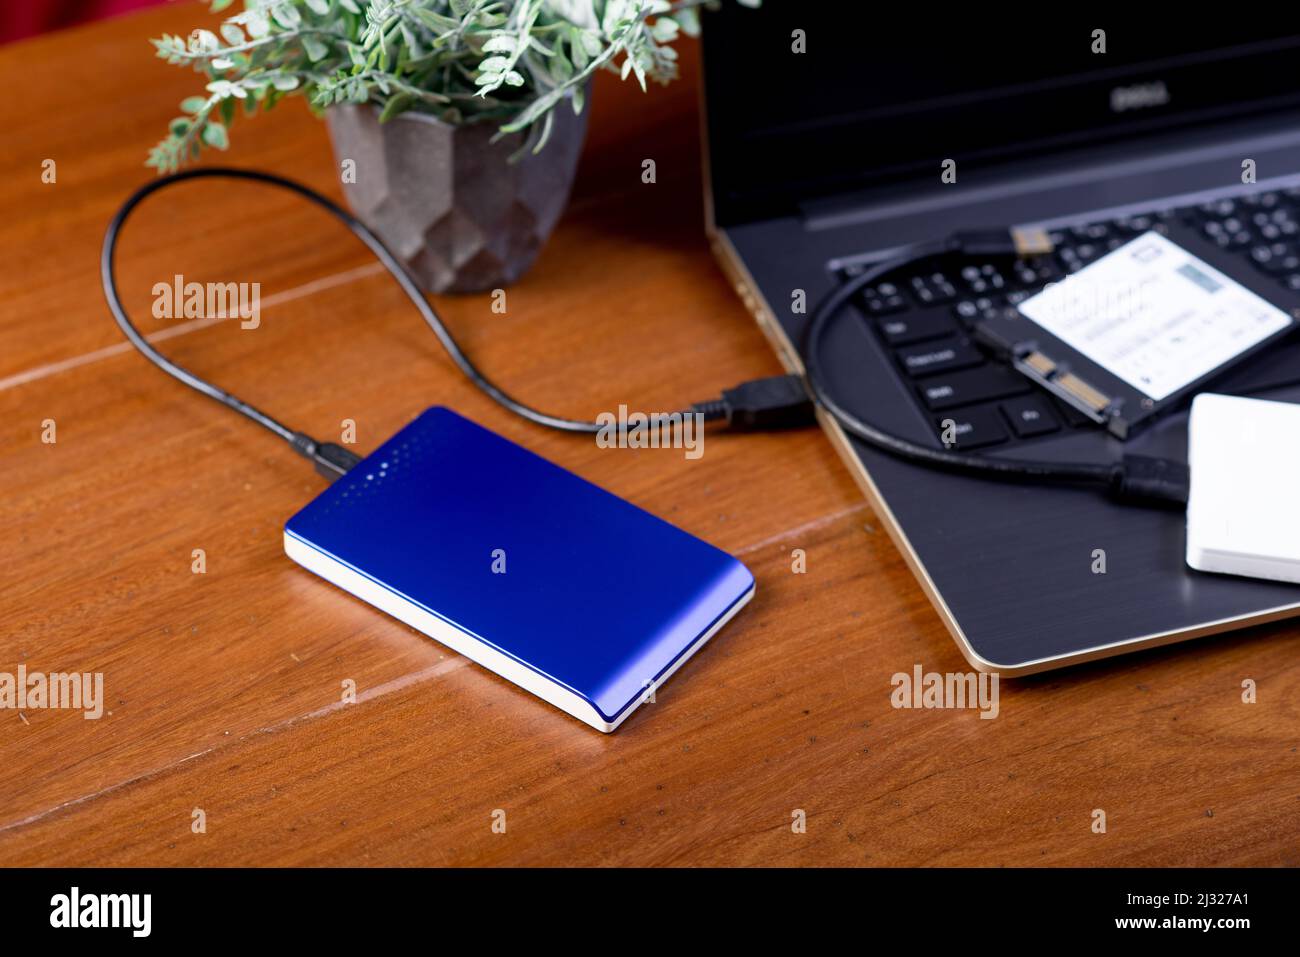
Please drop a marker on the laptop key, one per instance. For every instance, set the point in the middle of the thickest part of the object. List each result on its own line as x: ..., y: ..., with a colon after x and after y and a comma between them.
x: 983, y: 280
x: 1136, y: 224
x: 1219, y: 209
x: 981, y: 384
x: 1276, y: 258
x: 1030, y: 416
x: 969, y: 310
x: 933, y: 289
x: 1035, y: 273
x: 1095, y: 232
x: 916, y: 327
x: 1072, y: 416
x: 942, y: 356
x: 878, y: 305
x: 1267, y: 200
x: 971, y: 429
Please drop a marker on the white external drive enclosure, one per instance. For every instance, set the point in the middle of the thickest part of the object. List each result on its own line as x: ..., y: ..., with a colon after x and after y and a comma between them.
x: 1243, y: 511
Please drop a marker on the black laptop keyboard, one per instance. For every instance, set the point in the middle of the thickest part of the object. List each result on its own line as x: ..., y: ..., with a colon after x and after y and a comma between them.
x: 919, y: 317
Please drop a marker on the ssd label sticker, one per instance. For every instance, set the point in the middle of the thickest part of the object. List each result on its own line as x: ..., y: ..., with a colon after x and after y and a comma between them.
x: 1155, y: 316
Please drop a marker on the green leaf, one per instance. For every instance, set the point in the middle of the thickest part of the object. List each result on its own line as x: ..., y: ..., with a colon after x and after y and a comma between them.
x: 232, y: 34
x: 192, y: 104
x: 547, y: 123
x: 395, y: 105
x: 577, y: 52
x: 436, y: 21
x: 591, y: 42
x: 316, y: 49
x: 203, y: 41
x: 214, y: 134
x: 665, y: 30
x: 540, y: 47
x: 561, y: 70
x: 256, y: 24
x: 287, y: 15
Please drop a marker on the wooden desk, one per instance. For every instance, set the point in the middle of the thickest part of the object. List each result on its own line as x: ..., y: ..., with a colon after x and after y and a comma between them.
x: 224, y: 688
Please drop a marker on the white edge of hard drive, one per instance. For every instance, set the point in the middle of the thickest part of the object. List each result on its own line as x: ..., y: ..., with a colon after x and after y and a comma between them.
x: 473, y: 648
x: 1243, y: 510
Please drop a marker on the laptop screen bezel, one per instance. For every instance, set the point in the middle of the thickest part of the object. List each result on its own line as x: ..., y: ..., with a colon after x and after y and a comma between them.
x: 806, y: 161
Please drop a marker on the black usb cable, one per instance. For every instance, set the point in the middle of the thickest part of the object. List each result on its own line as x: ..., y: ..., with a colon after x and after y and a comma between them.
x: 1134, y: 479
x: 765, y: 403
x: 761, y: 404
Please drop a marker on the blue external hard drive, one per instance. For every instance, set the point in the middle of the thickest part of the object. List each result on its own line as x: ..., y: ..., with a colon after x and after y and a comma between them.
x: 551, y: 582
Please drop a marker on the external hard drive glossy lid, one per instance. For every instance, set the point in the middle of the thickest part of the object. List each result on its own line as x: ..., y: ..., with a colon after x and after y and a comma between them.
x: 557, y: 585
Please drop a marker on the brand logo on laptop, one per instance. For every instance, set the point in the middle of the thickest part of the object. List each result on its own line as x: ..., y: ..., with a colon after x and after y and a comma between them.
x: 1140, y: 96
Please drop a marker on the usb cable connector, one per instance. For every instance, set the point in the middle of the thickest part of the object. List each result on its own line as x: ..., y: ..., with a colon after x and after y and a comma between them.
x: 777, y: 402
x: 332, y: 460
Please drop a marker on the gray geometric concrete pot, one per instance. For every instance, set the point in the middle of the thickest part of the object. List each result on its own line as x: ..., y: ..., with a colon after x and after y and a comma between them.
x: 447, y: 200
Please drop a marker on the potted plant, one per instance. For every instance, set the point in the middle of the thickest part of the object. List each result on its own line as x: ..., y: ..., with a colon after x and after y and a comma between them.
x: 456, y: 124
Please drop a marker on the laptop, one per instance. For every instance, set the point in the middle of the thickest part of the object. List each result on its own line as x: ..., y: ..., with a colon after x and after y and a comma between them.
x: 829, y: 129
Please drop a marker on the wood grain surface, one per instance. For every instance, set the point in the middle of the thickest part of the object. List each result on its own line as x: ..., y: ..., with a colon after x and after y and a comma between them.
x: 224, y: 689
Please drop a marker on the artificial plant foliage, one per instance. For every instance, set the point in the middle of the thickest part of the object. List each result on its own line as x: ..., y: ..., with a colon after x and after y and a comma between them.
x: 508, y: 62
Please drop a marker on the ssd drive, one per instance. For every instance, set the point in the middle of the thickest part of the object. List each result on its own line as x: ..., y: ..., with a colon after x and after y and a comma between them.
x: 1142, y: 328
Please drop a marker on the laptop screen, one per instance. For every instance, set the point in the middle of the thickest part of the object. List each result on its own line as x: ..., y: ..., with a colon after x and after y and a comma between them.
x: 807, y: 100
